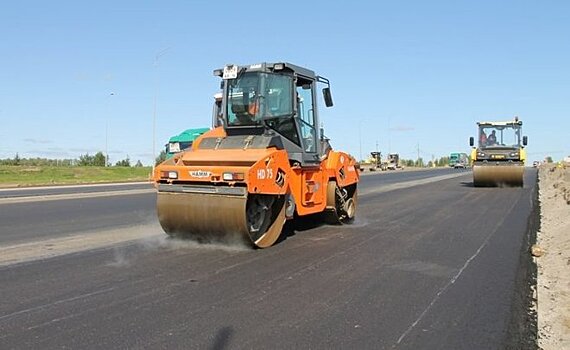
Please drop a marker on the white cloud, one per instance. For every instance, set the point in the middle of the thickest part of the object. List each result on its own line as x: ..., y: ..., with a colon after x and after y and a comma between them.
x: 402, y: 128
x: 37, y: 141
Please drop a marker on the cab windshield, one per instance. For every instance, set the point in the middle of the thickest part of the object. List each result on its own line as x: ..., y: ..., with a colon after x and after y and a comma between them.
x: 255, y: 96
x: 500, y: 136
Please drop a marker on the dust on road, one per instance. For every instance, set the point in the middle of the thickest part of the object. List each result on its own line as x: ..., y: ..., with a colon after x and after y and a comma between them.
x: 30, y: 251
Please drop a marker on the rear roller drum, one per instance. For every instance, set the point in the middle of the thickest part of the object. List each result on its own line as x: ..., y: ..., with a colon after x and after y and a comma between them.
x: 265, y: 215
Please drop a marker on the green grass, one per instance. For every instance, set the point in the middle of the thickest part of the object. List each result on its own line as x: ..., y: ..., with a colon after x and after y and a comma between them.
x: 21, y: 176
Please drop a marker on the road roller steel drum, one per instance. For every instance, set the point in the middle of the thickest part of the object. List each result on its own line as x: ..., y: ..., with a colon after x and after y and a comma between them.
x: 498, y: 175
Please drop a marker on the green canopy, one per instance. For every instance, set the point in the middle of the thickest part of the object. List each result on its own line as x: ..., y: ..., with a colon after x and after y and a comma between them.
x: 188, y: 135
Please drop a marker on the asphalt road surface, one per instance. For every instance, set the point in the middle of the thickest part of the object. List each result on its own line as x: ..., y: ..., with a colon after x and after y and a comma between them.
x: 427, y: 265
x: 29, y: 214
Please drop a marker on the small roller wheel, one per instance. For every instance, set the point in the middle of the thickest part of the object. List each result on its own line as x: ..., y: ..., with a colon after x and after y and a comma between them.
x: 341, y: 203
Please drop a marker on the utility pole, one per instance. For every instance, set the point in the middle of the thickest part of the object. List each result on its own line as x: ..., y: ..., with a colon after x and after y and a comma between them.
x: 418, y: 148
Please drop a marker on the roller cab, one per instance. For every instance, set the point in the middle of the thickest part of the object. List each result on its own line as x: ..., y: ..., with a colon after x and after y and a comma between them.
x: 266, y: 163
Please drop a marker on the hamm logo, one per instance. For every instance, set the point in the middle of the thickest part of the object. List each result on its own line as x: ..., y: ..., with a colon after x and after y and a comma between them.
x: 200, y: 173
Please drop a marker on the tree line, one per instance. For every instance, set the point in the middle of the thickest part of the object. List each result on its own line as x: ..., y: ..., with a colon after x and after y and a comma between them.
x: 420, y: 163
x: 98, y: 159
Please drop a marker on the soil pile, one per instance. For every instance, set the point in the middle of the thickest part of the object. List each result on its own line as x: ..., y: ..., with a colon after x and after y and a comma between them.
x: 553, y: 280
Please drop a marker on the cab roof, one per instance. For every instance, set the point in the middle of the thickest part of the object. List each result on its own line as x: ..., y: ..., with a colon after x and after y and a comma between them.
x: 273, y: 67
x: 502, y: 123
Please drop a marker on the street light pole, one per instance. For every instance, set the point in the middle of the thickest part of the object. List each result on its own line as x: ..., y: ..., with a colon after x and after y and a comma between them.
x: 389, y: 137
x: 156, y: 87
x: 107, y: 128
x: 360, y: 140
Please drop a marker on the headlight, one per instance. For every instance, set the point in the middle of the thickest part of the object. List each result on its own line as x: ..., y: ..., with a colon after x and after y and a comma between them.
x: 480, y: 154
x: 232, y: 176
x: 514, y: 154
x: 169, y: 174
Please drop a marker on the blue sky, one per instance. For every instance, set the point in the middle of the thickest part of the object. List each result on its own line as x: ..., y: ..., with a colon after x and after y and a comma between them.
x: 403, y: 73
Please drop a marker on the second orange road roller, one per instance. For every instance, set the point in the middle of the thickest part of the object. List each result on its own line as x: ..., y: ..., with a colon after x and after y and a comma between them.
x: 267, y: 163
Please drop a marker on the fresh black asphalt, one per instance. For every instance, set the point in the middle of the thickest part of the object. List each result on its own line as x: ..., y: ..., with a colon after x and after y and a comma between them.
x: 433, y: 266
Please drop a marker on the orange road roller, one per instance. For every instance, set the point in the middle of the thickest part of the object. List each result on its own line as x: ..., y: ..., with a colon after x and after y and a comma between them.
x: 266, y: 163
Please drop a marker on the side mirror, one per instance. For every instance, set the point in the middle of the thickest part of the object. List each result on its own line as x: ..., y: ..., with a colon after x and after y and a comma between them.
x: 471, y: 141
x: 328, y: 97
x: 525, y: 140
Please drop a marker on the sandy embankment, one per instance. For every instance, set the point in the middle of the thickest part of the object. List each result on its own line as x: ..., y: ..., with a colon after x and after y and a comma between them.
x: 553, y: 280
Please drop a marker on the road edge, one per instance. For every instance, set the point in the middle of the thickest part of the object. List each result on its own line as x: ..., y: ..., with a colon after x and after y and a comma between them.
x: 522, y: 330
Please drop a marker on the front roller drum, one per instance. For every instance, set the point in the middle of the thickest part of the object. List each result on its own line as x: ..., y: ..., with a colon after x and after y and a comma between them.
x: 498, y: 175
x: 253, y: 219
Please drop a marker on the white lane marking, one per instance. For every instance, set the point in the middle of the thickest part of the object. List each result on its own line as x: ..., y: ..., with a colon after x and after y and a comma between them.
x: 454, y: 278
x: 16, y: 189
x: 55, y: 197
x: 441, y: 291
x: 407, y: 184
x: 45, y: 306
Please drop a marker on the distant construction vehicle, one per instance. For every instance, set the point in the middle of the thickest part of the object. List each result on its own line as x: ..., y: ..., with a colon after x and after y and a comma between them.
x: 499, y: 157
x: 376, y: 161
x: 393, y: 162
x: 183, y: 141
x: 267, y: 162
x: 458, y: 160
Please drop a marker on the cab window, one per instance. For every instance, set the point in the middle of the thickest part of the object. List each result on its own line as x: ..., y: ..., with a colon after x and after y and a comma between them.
x: 305, y: 112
